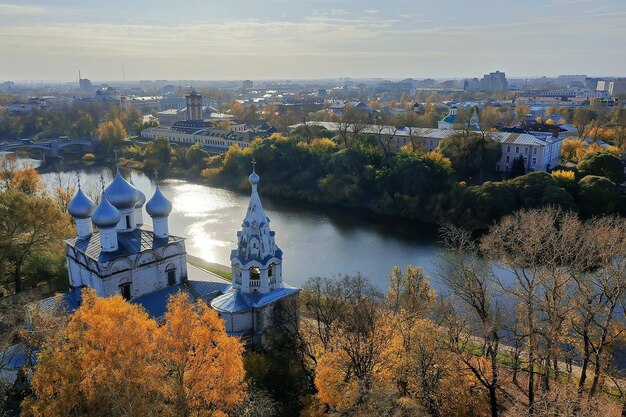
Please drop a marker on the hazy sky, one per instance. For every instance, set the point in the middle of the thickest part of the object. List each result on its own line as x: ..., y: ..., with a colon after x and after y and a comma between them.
x: 261, y: 39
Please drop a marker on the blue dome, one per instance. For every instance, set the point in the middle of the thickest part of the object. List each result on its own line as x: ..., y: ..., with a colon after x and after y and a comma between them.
x: 159, y: 205
x: 106, y: 215
x: 120, y: 193
x: 81, y: 206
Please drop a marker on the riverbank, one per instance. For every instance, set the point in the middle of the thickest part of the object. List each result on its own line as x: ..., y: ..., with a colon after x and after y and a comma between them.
x: 218, y: 269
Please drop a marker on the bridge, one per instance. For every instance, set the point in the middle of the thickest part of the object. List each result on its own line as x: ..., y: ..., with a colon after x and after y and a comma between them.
x: 50, y: 147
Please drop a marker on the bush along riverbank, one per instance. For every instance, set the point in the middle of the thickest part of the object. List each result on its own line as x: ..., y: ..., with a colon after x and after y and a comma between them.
x: 412, y: 184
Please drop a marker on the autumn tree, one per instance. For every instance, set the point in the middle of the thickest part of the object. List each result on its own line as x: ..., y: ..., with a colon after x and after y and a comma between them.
x: 517, y: 244
x: 202, y: 365
x: 111, y: 133
x: 112, y: 359
x: 29, y: 224
x: 583, y: 118
x: 237, y: 110
x: 351, y: 365
x: 470, y: 279
x: 571, y: 149
x: 103, y: 365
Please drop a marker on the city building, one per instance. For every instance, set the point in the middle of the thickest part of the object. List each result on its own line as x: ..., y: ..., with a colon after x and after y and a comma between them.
x: 541, y: 152
x: 602, y: 85
x: 194, y: 106
x: 146, y: 264
x: 449, y: 121
x: 247, y: 84
x: 33, y: 103
x: 213, y: 140
x: 617, y: 88
x: 494, y: 82
x: 84, y: 84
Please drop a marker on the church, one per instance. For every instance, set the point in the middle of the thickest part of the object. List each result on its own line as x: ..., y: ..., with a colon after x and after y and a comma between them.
x: 146, y: 265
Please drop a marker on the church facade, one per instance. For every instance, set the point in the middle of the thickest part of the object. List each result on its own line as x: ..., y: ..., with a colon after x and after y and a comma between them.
x: 146, y: 265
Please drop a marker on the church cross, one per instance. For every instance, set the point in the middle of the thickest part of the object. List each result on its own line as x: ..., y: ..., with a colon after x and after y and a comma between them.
x: 253, y: 165
x: 102, y: 182
x: 77, y: 177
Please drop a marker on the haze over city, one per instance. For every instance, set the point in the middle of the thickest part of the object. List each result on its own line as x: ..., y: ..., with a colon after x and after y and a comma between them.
x: 270, y: 39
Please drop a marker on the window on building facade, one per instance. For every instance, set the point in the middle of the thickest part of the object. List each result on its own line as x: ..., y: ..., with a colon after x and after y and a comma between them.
x: 171, y: 274
x: 125, y: 290
x: 535, y: 151
x: 534, y: 161
x: 507, y: 158
x: 525, y: 150
x: 517, y: 149
x: 508, y: 149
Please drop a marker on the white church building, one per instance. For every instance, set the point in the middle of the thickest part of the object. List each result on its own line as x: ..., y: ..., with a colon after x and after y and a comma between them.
x: 146, y: 265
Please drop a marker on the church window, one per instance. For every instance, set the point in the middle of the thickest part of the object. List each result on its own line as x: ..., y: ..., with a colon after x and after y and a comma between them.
x: 128, y: 222
x: 270, y: 271
x: 171, y: 275
x: 125, y: 290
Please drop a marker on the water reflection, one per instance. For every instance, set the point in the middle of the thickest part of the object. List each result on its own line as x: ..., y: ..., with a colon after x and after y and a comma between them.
x: 317, y: 241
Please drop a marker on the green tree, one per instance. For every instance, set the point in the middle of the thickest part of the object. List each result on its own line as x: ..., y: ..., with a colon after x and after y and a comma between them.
x: 518, y: 167
x: 472, y: 154
x: 602, y: 164
x: 195, y: 154
x: 29, y: 224
x: 597, y: 196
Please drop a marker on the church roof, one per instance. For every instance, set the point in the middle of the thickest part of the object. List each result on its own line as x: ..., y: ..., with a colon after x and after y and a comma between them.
x: 449, y: 118
x: 158, y: 205
x: 235, y: 301
x: 106, y: 214
x: 120, y: 193
x: 155, y: 303
x: 129, y: 243
x: 81, y: 206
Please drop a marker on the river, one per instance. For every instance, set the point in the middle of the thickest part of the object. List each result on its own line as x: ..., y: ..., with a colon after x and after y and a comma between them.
x: 316, y: 241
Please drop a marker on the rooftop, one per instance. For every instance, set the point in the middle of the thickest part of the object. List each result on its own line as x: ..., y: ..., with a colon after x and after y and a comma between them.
x: 129, y: 243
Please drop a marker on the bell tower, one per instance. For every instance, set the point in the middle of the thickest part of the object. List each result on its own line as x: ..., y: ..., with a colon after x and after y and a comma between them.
x: 257, y: 262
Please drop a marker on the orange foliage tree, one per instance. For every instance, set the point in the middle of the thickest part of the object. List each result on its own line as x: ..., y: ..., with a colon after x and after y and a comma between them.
x: 113, y: 360
x: 203, y: 365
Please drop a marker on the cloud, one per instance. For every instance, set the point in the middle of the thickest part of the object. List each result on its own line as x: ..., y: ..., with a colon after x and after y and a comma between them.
x: 371, y: 11
x: 17, y: 10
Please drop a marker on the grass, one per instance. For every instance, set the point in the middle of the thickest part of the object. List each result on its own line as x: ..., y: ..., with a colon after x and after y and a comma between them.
x: 223, y: 272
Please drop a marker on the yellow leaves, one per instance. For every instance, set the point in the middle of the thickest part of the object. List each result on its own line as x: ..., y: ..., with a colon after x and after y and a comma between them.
x: 323, y: 146
x: 564, y: 175
x: 27, y: 181
x: 203, y: 364
x: 111, y: 132
x: 410, y: 291
x: 335, y: 386
x: 572, y: 150
x: 112, y: 360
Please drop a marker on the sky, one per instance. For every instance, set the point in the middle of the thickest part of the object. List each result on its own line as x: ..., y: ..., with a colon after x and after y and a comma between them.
x: 309, y: 39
